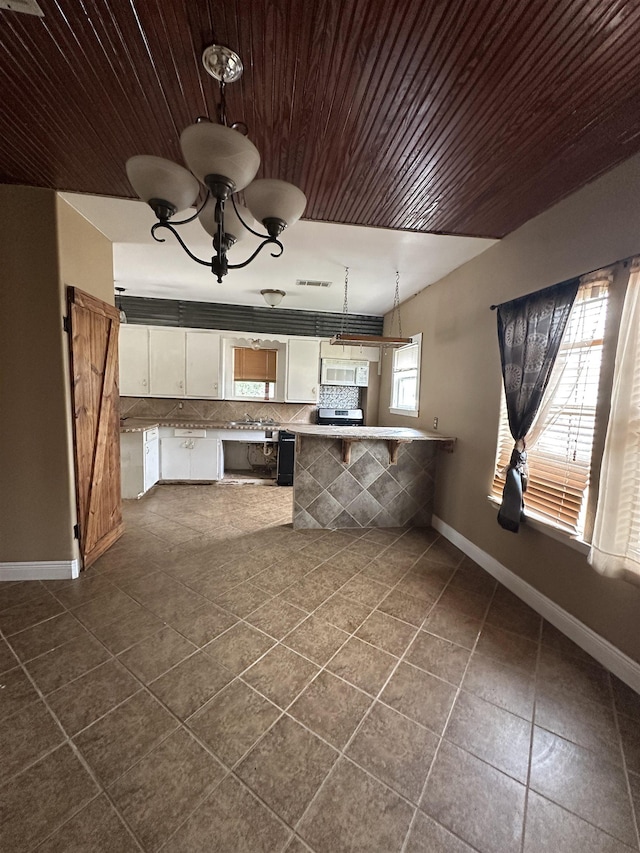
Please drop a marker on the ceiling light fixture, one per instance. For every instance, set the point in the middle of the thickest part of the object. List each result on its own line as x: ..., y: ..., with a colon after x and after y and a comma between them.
x: 223, y: 159
x: 342, y: 338
x: 273, y: 297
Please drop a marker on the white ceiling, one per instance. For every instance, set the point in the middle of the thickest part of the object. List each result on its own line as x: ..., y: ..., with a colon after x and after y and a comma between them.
x: 313, y: 250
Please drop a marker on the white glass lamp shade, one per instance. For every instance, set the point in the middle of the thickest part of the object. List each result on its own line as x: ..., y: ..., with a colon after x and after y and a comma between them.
x: 157, y: 178
x: 232, y: 224
x: 273, y: 297
x: 213, y: 149
x: 269, y: 198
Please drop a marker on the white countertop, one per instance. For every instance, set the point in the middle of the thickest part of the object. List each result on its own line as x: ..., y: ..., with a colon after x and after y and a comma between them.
x: 360, y: 433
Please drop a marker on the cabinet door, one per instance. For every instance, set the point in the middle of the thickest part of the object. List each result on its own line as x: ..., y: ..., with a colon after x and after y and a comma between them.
x: 131, y: 464
x: 203, y: 364
x: 205, y: 459
x: 303, y: 371
x: 151, y: 463
x: 134, y: 361
x: 167, y: 362
x: 175, y: 458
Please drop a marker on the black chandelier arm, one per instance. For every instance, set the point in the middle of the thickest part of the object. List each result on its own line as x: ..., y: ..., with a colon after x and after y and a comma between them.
x: 268, y: 241
x: 179, y: 239
x: 248, y: 227
x: 196, y: 214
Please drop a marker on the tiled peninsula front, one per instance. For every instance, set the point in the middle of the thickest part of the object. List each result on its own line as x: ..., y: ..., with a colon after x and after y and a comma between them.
x: 364, y: 476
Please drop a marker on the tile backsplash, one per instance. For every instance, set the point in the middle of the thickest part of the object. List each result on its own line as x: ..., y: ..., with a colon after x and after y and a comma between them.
x: 214, y: 410
x: 339, y: 397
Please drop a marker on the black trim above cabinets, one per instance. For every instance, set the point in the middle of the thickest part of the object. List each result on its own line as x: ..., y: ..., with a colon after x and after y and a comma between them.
x: 244, y: 318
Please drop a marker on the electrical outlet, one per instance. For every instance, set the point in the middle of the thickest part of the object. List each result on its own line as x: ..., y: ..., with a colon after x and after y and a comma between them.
x: 435, y: 423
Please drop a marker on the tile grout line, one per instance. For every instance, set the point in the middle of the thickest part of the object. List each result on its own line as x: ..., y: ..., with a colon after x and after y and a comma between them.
x: 285, y: 712
x: 444, y: 728
x: 67, y: 740
x: 375, y: 699
x: 358, y: 573
x: 635, y: 817
x: 531, y: 738
x: 181, y: 725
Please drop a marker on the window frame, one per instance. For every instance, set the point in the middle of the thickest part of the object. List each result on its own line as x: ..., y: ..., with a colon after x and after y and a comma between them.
x: 394, y: 409
x: 618, y: 274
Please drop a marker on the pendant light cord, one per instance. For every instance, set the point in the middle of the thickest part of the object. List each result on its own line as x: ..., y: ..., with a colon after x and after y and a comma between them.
x: 345, y: 304
x: 396, y: 307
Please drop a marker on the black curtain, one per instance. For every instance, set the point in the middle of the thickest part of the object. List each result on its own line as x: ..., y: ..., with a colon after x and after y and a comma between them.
x: 530, y: 330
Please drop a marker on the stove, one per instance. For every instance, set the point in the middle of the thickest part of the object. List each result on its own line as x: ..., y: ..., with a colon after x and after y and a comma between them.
x: 340, y: 417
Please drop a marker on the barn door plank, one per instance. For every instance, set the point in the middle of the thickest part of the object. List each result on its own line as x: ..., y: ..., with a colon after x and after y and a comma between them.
x: 105, y: 405
x: 94, y: 364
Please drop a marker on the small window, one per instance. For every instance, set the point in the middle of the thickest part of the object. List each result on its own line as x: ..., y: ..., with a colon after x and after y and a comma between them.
x: 254, y: 373
x: 405, y: 379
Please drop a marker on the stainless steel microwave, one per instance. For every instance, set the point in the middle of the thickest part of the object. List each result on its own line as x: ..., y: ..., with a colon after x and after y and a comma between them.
x: 336, y: 371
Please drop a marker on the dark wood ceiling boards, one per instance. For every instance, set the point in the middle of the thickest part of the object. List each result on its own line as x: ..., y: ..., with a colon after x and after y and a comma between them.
x: 451, y: 116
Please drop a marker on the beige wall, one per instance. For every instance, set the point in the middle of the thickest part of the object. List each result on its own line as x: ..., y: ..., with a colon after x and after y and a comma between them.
x: 86, y: 255
x: 461, y: 384
x: 43, y: 242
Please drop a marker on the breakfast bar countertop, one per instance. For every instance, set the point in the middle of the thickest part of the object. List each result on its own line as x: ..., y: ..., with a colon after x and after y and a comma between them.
x: 359, y: 433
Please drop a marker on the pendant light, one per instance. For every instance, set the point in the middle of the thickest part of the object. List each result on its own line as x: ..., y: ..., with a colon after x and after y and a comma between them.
x: 118, y: 300
x: 342, y: 338
x: 222, y: 162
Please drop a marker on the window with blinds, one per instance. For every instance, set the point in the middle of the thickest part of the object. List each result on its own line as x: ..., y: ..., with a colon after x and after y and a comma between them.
x: 254, y: 372
x: 405, y: 380
x: 560, y: 442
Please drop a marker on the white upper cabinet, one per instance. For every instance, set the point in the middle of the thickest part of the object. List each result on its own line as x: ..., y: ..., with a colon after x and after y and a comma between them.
x: 134, y: 361
x: 167, y: 376
x: 203, y: 364
x: 303, y: 370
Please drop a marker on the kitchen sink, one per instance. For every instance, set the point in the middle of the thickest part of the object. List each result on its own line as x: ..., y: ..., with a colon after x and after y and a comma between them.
x: 267, y: 424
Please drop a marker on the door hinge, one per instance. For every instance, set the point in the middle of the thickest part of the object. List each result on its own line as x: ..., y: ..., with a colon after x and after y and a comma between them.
x: 65, y: 324
x: 76, y: 531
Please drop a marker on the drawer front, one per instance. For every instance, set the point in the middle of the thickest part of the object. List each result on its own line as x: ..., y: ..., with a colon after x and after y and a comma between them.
x: 150, y: 434
x: 191, y: 433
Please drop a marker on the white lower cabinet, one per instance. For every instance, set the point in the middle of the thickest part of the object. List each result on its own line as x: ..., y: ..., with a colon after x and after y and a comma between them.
x: 139, y: 462
x: 189, y: 455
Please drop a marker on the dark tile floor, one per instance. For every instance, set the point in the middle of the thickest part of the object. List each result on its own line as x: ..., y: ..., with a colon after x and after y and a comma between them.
x: 220, y: 682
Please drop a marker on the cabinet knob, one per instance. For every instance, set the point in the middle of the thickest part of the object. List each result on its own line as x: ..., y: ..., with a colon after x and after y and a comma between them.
x: 144, y: 381
x: 181, y: 384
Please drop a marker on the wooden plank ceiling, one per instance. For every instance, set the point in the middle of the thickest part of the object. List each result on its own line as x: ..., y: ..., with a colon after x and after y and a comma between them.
x: 452, y: 116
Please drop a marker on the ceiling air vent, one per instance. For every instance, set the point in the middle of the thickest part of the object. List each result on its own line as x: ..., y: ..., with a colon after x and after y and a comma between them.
x: 307, y: 282
x: 29, y: 7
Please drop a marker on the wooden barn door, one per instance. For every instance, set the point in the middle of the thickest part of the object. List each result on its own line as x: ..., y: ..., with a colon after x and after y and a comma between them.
x: 93, y: 335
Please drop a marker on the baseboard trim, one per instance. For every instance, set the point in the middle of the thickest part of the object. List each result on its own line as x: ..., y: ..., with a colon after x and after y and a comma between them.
x: 602, y: 650
x: 46, y: 570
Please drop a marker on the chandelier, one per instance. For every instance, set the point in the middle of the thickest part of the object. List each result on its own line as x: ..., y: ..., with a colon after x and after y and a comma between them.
x: 222, y: 162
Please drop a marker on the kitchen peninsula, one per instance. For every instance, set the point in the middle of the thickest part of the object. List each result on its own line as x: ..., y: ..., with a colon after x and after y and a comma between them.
x: 359, y: 476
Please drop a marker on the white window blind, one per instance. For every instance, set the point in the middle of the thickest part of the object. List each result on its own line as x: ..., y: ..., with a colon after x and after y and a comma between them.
x: 560, y: 442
